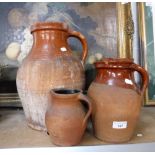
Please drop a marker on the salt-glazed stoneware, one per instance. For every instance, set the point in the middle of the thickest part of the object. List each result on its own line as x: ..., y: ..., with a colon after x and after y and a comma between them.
x: 50, y: 64
x: 66, y: 118
x: 116, y: 99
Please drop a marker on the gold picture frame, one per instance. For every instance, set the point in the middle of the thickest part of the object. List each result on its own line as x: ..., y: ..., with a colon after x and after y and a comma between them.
x: 145, y: 62
x: 125, y: 30
x: 10, y: 99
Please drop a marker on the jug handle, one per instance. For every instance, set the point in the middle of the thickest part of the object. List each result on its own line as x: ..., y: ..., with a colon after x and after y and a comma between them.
x: 144, y: 75
x: 82, y: 39
x: 87, y: 100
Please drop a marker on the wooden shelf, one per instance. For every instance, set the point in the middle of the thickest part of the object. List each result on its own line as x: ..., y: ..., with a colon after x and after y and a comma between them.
x: 14, y: 132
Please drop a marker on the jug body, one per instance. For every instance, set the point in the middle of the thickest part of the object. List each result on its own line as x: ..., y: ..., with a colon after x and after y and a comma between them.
x: 66, y: 118
x: 116, y: 99
x: 50, y: 64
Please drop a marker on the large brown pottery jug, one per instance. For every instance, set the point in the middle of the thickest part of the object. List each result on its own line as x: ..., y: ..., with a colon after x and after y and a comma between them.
x: 50, y: 64
x: 116, y: 99
x: 66, y: 118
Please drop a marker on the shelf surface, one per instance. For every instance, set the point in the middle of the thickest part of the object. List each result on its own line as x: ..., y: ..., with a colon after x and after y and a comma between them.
x: 14, y: 133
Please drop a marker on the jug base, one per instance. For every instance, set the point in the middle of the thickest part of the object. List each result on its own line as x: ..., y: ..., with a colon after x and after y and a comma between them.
x: 36, y: 127
x: 110, y: 140
x: 64, y: 144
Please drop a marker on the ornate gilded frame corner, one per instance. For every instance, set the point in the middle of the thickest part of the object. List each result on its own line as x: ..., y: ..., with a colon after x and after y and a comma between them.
x: 125, y: 29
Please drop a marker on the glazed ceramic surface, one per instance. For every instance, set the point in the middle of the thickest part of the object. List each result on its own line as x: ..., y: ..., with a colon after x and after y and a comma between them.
x: 50, y: 64
x: 66, y: 118
x: 117, y: 99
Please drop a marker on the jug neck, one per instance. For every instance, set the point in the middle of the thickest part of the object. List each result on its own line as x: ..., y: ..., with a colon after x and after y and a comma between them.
x: 116, y: 72
x: 65, y: 95
x: 112, y: 74
x: 49, y: 42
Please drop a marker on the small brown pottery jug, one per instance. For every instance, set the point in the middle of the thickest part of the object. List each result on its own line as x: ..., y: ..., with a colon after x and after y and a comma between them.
x: 49, y: 65
x: 66, y: 118
x: 116, y: 99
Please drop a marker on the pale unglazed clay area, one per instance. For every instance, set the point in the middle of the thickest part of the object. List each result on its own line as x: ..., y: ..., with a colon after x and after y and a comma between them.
x: 14, y: 132
x: 112, y: 104
x: 36, y: 78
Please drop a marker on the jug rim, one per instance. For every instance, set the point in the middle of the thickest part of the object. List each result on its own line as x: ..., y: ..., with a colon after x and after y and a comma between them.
x: 114, y: 62
x: 65, y: 92
x: 49, y: 26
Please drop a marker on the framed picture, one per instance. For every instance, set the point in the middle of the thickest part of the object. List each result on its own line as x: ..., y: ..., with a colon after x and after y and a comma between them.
x: 147, y: 35
x: 108, y: 28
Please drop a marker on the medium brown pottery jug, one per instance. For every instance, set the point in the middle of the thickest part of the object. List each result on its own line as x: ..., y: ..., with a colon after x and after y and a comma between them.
x: 50, y: 64
x: 116, y: 99
x: 66, y: 118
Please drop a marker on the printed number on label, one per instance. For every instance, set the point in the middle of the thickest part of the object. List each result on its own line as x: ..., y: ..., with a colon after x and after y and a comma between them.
x: 119, y: 125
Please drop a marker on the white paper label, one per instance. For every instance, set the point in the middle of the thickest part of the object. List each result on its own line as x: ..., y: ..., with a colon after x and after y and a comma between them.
x: 119, y: 125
